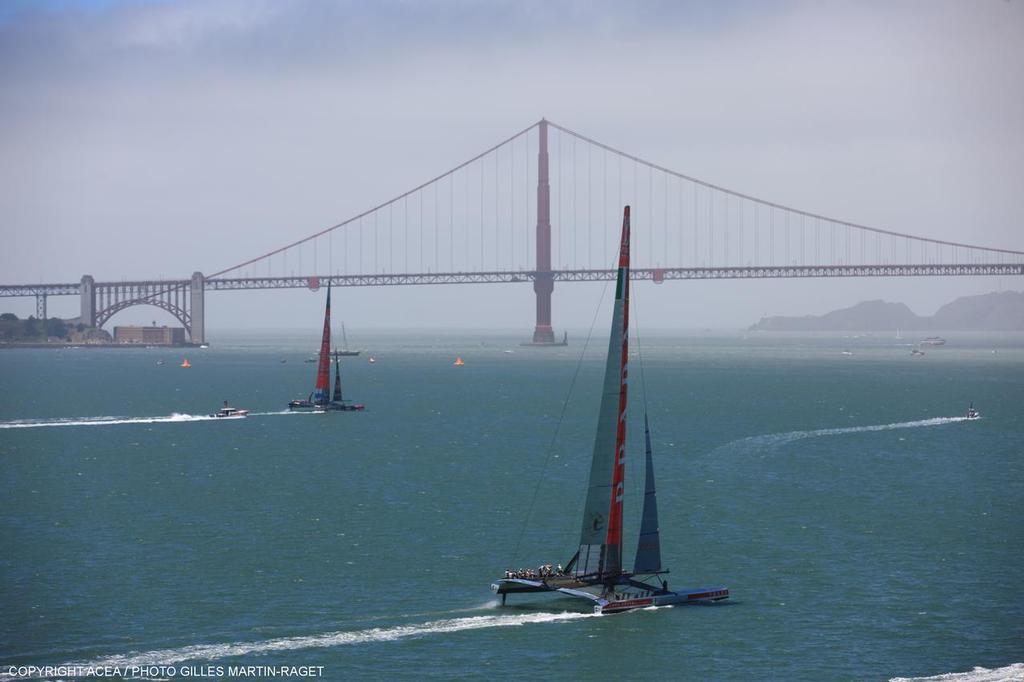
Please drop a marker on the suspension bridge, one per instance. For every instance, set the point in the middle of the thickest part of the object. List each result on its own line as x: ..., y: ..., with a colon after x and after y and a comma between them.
x: 542, y: 207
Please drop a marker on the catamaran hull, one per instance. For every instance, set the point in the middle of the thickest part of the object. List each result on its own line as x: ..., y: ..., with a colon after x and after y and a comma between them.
x: 624, y: 601
x: 332, y: 407
x: 338, y: 407
x: 527, y: 585
x: 695, y: 596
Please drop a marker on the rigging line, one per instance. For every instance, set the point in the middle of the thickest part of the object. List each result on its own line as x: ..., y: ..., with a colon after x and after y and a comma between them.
x: 558, y: 425
x: 635, y: 324
x: 765, y: 202
x: 382, y: 204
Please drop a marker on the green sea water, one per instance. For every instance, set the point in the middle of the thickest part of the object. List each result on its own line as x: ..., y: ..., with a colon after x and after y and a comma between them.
x: 864, y: 529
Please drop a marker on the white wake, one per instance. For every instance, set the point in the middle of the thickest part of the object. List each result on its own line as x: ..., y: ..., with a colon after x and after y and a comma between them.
x: 175, y: 418
x: 215, y: 652
x: 1010, y: 673
x: 773, y: 439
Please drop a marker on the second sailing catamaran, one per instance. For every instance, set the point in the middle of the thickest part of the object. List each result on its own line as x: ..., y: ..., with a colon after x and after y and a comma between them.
x: 596, y: 571
x: 320, y: 399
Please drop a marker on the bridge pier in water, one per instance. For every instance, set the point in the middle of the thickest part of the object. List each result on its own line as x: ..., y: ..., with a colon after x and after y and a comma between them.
x: 543, y: 283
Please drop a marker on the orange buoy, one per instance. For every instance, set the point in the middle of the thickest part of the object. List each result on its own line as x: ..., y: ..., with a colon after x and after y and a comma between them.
x: 459, y: 362
x: 185, y: 363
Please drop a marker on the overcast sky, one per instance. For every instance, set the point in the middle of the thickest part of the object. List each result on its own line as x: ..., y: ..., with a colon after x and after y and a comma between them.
x: 145, y: 139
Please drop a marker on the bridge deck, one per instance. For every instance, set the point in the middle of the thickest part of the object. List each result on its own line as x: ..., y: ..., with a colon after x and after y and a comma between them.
x: 509, y: 277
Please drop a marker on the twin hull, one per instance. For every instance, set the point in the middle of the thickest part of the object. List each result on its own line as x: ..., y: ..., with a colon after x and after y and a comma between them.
x: 611, y: 602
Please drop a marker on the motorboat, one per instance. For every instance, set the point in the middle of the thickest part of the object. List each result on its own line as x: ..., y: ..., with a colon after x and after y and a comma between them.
x: 228, y: 412
x: 972, y: 413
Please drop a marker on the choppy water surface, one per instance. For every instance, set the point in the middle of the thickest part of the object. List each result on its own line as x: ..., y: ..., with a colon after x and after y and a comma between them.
x: 865, y: 529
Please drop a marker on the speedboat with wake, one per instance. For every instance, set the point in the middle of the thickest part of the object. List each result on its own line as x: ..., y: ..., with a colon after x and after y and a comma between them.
x: 228, y: 412
x: 596, y: 571
x: 972, y: 413
x: 321, y: 399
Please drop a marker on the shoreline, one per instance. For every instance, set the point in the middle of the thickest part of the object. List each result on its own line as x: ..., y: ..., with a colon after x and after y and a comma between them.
x: 28, y: 344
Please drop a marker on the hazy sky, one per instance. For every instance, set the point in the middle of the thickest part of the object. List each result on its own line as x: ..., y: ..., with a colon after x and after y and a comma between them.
x: 142, y: 139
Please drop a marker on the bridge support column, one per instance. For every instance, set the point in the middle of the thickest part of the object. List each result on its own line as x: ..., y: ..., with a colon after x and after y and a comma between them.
x: 543, y: 283
x: 197, y: 331
x: 41, y: 307
x: 88, y: 296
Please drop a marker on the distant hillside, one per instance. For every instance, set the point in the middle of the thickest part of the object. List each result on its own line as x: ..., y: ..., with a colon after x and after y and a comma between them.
x: 1002, y: 311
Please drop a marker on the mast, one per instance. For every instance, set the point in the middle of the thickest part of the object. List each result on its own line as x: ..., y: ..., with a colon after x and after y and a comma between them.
x: 344, y: 336
x: 600, y: 549
x: 648, y: 546
x: 323, y: 370
x: 336, y: 398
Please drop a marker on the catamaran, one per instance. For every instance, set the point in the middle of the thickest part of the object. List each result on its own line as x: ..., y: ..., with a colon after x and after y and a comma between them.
x: 321, y: 399
x: 596, y: 571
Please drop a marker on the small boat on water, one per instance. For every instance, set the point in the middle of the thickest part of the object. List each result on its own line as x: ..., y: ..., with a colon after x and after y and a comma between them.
x: 186, y: 363
x: 596, y: 571
x: 916, y: 351
x: 972, y: 413
x: 847, y: 352
x: 159, y: 362
x: 321, y: 399
x: 228, y: 412
x: 933, y: 341
x: 345, y: 351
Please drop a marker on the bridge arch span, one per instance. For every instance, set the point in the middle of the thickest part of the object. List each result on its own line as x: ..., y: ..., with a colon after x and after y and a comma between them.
x: 180, y: 314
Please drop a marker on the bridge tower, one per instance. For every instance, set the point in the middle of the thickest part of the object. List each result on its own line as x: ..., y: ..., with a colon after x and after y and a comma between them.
x: 543, y: 283
x: 197, y: 330
x: 88, y: 295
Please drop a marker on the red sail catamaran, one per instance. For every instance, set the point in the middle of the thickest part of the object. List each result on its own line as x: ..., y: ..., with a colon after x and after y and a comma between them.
x: 596, y: 570
x: 321, y: 399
